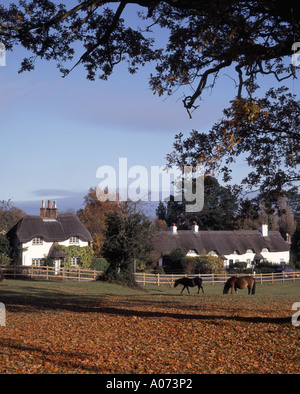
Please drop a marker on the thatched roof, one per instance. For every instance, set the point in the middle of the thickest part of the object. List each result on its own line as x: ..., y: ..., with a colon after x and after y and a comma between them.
x: 222, y: 242
x: 51, y: 230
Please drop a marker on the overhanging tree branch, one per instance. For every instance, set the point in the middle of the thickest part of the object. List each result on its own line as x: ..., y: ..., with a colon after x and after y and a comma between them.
x: 189, y: 101
x: 101, y: 39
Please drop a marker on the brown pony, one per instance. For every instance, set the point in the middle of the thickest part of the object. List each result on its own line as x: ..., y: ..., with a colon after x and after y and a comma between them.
x: 240, y: 283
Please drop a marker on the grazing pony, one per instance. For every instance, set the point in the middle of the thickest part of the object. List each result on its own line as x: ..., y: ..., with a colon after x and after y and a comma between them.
x: 240, y: 283
x: 187, y: 282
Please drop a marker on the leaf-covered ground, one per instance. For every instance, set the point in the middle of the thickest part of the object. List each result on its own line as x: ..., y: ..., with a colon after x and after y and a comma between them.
x: 59, y: 329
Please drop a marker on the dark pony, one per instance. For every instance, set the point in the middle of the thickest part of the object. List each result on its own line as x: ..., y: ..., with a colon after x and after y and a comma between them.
x: 240, y: 283
x: 187, y: 282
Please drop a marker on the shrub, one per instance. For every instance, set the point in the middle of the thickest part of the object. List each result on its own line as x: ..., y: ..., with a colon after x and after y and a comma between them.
x: 99, y: 264
x: 204, y: 264
x: 174, y: 259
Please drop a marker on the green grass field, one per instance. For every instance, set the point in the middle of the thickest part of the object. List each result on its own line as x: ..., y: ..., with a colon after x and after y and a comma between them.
x: 96, y: 327
x: 30, y: 288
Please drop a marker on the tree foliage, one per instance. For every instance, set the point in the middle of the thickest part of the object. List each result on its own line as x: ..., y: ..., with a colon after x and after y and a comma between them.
x: 203, y: 38
x: 9, y: 215
x: 93, y: 217
x: 218, y: 213
x: 127, y: 237
x: 263, y: 132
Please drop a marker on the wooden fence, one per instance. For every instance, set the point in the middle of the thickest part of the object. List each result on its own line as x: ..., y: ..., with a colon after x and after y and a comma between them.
x: 81, y: 274
x: 50, y: 273
x: 163, y: 279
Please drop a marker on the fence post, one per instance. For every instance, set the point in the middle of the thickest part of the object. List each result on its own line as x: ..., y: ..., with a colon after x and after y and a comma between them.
x: 47, y: 272
x: 157, y: 279
x: 213, y: 279
x: 79, y: 274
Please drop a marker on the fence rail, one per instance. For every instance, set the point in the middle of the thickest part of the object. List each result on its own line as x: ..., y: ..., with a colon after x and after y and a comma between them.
x: 50, y: 273
x: 143, y: 278
x: 164, y: 279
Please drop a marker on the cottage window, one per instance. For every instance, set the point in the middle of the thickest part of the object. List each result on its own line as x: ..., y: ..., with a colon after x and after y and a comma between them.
x: 213, y: 253
x: 74, y: 240
x: 192, y: 252
x: 38, y: 262
x: 37, y: 241
x: 74, y: 262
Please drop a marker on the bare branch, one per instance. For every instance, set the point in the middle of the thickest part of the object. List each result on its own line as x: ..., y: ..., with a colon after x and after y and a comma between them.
x: 190, y: 100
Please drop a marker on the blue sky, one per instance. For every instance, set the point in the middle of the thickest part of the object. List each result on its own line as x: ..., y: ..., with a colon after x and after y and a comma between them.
x: 56, y: 132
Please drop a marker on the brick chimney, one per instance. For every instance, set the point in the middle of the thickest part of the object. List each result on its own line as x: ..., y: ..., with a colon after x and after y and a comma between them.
x: 50, y: 212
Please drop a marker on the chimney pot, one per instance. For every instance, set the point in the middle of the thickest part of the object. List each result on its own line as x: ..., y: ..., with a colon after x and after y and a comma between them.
x: 49, y: 204
x: 263, y: 228
x: 195, y: 227
x: 43, y: 210
x: 173, y: 228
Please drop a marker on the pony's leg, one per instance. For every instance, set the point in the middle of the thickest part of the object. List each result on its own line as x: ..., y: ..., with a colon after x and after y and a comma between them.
x: 202, y: 290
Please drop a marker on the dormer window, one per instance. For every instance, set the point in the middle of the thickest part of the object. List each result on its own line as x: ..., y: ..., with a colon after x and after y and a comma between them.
x: 265, y: 250
x: 213, y: 253
x: 249, y: 251
x: 37, y: 241
x: 74, y: 240
x: 192, y: 253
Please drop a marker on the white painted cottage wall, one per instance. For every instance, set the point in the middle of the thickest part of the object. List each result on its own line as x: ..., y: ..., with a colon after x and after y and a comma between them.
x: 33, y: 251
x: 271, y: 257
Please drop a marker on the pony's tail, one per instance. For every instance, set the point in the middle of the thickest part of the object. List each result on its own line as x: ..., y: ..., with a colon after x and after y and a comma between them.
x: 253, y: 288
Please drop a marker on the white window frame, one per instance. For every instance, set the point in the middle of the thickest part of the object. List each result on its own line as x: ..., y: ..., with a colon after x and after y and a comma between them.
x: 37, y: 241
x: 37, y: 262
x: 74, y: 261
x: 74, y: 240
